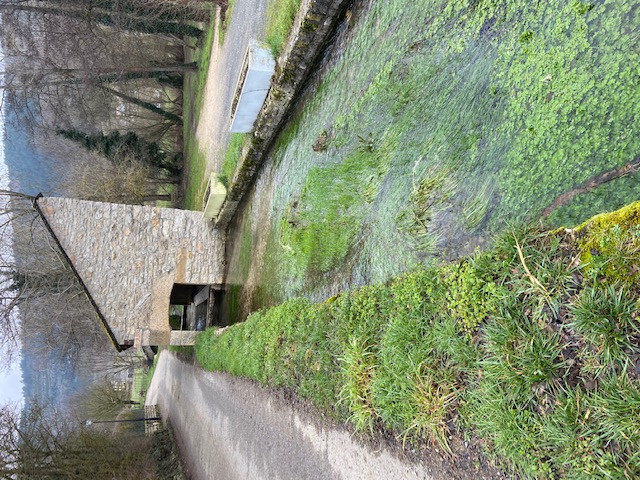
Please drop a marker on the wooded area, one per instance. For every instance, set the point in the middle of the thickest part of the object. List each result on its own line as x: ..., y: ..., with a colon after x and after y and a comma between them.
x: 101, y: 81
x: 109, y: 73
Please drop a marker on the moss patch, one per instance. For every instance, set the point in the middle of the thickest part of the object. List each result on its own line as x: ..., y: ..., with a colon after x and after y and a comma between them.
x: 610, y: 246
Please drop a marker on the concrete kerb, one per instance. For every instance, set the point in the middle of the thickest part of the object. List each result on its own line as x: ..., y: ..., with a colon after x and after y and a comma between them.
x: 312, y: 29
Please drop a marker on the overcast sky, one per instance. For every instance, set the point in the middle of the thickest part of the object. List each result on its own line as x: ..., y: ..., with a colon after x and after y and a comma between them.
x: 11, y: 380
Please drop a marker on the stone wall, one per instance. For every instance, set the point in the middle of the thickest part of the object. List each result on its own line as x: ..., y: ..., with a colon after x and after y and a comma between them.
x: 130, y: 256
x: 312, y: 29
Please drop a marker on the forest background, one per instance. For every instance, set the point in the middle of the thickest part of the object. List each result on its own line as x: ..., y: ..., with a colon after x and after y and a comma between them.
x: 91, y: 108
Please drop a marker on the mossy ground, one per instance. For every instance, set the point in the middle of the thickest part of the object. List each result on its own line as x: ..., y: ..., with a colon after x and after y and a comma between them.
x: 524, y: 345
x: 510, y: 104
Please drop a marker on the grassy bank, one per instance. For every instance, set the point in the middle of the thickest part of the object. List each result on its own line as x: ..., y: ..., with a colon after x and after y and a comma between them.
x: 531, y: 345
x: 195, y: 160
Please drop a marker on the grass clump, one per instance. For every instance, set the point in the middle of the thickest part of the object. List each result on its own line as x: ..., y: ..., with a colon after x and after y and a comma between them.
x: 280, y: 16
x: 521, y: 345
x: 231, y: 158
x: 432, y: 188
x: 606, y: 320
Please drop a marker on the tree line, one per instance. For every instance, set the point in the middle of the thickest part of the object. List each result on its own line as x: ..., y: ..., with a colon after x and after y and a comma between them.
x: 102, y: 79
x: 101, y: 68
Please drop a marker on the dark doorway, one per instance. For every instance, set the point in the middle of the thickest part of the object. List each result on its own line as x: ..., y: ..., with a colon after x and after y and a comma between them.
x: 188, y: 306
x: 194, y: 307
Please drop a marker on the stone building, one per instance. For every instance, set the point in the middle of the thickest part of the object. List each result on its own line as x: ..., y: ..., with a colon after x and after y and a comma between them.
x: 135, y: 261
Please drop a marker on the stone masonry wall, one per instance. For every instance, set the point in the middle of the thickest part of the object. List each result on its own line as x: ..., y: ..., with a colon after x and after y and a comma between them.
x: 130, y: 256
x: 312, y: 29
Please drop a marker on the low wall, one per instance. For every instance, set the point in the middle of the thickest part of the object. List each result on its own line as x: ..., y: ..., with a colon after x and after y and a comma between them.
x: 312, y: 29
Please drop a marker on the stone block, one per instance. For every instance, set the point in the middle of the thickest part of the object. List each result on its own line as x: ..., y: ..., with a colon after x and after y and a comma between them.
x: 253, y: 86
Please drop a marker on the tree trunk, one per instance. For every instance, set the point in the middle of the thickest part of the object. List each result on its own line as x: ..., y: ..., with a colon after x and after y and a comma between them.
x: 158, y: 197
x: 171, y: 74
x: 167, y: 10
x: 146, y: 105
x: 141, y: 25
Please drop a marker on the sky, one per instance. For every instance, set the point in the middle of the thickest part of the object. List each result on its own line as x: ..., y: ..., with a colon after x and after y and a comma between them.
x: 11, y: 378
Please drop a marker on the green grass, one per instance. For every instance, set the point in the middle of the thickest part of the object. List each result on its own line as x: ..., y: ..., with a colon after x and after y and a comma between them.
x: 141, y: 381
x: 319, y: 227
x: 239, y: 276
x: 195, y: 160
x: 232, y: 157
x: 605, y: 318
x: 521, y: 345
x: 204, y: 59
x: 280, y: 16
x: 183, y: 351
x: 197, y: 165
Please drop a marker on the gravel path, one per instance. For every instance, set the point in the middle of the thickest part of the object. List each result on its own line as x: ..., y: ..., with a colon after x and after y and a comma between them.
x: 212, y: 132
x: 230, y: 428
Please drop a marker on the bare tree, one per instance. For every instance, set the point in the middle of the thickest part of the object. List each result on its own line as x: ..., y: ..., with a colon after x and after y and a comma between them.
x: 61, y: 71
x: 140, y: 21
x: 43, y: 444
x: 131, y: 183
x: 43, y: 309
x: 105, y: 399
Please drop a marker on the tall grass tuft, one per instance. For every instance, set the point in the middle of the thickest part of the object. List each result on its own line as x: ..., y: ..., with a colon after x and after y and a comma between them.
x: 605, y: 319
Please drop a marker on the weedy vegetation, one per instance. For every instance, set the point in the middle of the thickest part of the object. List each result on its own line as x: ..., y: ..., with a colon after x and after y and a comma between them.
x: 532, y: 345
x: 280, y: 16
x: 232, y: 157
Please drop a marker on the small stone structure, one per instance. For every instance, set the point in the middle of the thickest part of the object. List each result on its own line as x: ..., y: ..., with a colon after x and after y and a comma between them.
x: 214, y: 196
x: 129, y: 258
x: 252, y: 88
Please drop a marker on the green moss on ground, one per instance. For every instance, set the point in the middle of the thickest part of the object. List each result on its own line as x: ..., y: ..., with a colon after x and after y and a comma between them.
x: 610, y: 245
x: 514, y: 103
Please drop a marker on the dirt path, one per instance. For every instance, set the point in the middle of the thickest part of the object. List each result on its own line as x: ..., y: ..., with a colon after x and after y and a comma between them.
x: 229, y: 428
x: 212, y: 133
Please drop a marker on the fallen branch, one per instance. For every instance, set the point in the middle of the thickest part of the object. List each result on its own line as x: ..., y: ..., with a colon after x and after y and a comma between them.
x: 593, y: 183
